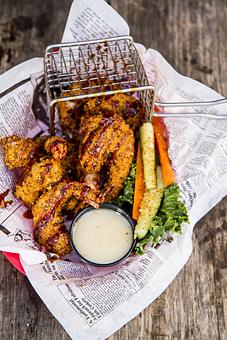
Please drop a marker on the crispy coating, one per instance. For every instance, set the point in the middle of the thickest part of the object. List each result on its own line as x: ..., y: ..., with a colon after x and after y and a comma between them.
x: 42, y: 175
x: 109, y: 142
x: 69, y: 163
x: 125, y: 105
x: 18, y: 151
x: 70, y: 112
x: 119, y: 165
x: 88, y: 124
x: 57, y: 146
x: 47, y: 212
x: 122, y: 104
x: 99, y: 155
x: 98, y: 142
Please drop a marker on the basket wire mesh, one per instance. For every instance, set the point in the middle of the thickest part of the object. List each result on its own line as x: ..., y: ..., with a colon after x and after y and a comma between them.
x: 102, y: 67
x: 96, y: 68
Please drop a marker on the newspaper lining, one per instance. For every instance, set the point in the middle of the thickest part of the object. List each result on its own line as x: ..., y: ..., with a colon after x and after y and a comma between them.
x: 90, y: 302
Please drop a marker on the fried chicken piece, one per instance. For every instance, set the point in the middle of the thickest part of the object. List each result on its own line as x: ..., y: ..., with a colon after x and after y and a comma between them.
x: 65, y: 152
x: 34, y: 171
x: 57, y: 146
x: 71, y: 204
x: 99, y: 142
x: 71, y: 111
x: 88, y: 124
x: 47, y: 212
x: 109, y: 142
x: 18, y: 151
x: 122, y: 104
x: 119, y: 166
x: 42, y: 174
x: 69, y: 114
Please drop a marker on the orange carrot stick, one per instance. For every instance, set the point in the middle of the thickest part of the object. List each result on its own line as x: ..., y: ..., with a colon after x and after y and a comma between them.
x: 139, y: 184
x: 167, y: 171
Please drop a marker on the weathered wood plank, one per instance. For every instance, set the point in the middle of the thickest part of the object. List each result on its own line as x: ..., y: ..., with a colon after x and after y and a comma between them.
x: 26, y: 30
x: 22, y: 313
x: 191, y: 36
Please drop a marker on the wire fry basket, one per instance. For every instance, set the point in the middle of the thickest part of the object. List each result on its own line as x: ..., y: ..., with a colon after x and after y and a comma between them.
x: 103, y: 67
x: 96, y: 68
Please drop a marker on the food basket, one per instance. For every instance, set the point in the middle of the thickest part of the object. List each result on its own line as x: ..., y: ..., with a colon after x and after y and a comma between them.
x: 95, y: 68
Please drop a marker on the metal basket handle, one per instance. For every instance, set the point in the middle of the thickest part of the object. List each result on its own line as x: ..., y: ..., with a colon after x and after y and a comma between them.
x: 191, y: 114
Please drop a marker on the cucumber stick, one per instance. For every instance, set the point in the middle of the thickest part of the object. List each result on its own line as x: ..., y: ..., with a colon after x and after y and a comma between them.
x: 160, y: 183
x: 148, y: 209
x: 148, y: 155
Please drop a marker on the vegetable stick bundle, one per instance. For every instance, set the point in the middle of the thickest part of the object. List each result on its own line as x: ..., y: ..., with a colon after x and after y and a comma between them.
x: 157, y: 205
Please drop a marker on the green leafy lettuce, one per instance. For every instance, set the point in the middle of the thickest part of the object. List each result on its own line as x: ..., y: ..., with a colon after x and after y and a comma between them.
x: 169, y: 218
x: 128, y: 191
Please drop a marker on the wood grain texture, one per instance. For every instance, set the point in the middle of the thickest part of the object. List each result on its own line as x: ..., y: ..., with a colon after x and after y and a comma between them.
x: 192, y: 37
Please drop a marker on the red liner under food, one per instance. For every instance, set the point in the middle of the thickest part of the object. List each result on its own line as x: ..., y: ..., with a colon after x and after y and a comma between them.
x: 15, y: 260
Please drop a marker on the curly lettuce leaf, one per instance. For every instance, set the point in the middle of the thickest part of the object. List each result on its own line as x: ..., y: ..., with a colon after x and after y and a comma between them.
x: 169, y: 218
x: 128, y: 190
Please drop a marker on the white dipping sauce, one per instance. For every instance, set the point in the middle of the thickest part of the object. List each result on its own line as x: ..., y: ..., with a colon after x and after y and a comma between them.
x: 102, y: 236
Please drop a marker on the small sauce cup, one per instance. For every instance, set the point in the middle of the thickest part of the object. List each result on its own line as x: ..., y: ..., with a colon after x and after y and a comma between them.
x: 102, y: 237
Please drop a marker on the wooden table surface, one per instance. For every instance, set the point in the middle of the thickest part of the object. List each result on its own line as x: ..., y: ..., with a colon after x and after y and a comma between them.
x: 191, y: 34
